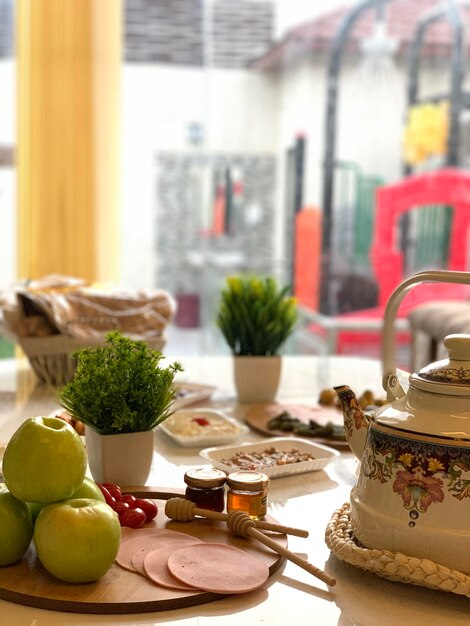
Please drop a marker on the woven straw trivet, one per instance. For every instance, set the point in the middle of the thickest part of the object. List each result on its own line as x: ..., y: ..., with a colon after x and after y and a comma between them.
x: 395, y: 566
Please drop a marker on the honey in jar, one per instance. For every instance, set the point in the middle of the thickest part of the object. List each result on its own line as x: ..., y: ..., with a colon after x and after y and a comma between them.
x: 206, y: 488
x: 248, y: 492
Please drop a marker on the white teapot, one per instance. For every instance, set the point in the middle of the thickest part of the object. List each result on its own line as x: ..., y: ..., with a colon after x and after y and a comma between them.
x: 413, y: 491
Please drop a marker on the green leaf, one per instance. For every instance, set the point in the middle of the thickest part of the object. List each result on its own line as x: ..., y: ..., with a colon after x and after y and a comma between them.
x: 255, y: 316
x: 120, y: 387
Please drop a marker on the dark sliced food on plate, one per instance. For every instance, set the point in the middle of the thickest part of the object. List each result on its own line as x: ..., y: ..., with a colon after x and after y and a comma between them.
x: 288, y: 423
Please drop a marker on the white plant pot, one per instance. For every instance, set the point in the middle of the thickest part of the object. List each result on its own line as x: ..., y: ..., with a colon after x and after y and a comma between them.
x: 257, y: 378
x: 124, y: 459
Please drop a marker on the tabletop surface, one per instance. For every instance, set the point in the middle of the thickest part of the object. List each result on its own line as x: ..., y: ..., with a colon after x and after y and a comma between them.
x: 292, y: 596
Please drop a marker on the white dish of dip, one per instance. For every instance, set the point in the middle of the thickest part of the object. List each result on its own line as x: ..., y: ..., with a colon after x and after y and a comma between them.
x: 195, y: 428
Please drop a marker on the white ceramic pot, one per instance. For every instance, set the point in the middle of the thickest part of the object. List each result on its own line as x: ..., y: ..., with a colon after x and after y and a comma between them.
x: 257, y: 378
x: 124, y: 459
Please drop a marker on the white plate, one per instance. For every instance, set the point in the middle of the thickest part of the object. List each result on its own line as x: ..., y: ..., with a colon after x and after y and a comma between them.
x: 323, y: 455
x: 221, y: 429
x: 190, y: 393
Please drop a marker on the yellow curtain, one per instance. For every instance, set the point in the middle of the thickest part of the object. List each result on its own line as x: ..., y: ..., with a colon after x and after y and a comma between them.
x: 69, y: 59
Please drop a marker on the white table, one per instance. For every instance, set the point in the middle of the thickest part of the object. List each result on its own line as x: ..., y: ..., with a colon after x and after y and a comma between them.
x: 292, y: 596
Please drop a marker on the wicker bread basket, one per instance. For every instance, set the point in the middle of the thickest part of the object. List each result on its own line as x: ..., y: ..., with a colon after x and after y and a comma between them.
x: 52, y: 357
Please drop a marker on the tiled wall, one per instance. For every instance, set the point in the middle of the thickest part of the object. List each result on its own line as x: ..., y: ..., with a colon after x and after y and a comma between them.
x: 179, y: 210
x: 222, y: 33
x: 164, y: 31
x: 241, y: 30
x: 178, y: 31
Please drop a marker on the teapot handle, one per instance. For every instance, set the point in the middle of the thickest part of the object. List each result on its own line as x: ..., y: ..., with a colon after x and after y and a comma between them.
x: 390, y: 381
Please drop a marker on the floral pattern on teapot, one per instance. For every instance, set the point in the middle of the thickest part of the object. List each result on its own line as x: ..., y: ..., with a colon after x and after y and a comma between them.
x: 354, y: 416
x: 423, y: 473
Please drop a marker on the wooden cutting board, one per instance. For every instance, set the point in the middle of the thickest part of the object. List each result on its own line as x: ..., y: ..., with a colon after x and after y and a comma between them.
x: 121, y: 591
x: 258, y: 416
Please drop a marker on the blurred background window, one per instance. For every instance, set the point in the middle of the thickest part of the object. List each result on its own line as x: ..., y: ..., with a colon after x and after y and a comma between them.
x: 230, y: 162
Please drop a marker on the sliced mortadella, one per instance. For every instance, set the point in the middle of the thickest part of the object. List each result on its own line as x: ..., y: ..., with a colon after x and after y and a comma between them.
x: 218, y: 568
x: 147, y: 538
x: 156, y: 568
x: 174, y: 541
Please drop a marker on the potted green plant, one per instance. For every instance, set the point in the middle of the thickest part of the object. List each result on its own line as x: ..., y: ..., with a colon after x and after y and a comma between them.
x: 121, y: 392
x: 256, y: 316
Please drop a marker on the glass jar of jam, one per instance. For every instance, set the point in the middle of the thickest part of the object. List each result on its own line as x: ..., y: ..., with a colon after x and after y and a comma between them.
x: 248, y: 492
x: 206, y: 488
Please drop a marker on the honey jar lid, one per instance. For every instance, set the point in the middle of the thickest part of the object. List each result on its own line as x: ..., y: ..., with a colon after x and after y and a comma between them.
x: 247, y: 480
x: 204, y: 477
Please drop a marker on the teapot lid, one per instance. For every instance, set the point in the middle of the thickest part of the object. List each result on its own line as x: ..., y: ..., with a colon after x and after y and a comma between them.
x: 453, y: 373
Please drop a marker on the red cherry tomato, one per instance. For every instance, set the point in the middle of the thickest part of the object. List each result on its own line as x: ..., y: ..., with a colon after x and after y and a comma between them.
x: 148, y: 507
x: 130, y: 499
x: 107, y: 496
x: 121, y: 507
x: 114, y: 490
x: 133, y: 518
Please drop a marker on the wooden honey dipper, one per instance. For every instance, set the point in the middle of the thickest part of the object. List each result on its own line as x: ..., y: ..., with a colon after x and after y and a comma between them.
x: 241, y: 524
x: 184, y: 511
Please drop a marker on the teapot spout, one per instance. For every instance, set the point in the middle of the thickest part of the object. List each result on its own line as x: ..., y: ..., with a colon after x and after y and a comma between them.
x: 356, y: 422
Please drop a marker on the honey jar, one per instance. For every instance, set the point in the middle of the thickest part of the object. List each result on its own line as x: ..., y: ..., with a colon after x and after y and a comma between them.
x: 248, y: 492
x: 206, y: 488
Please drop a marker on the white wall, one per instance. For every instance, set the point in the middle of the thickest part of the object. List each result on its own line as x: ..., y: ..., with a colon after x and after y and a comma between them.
x: 302, y: 110
x: 371, y: 110
x: 369, y: 121
x: 243, y: 111
x: 291, y: 13
x: 237, y: 109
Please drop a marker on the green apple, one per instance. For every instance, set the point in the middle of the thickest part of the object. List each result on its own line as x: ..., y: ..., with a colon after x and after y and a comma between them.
x: 35, y: 508
x: 77, y: 540
x: 88, y: 489
x: 16, y: 527
x: 44, y: 461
